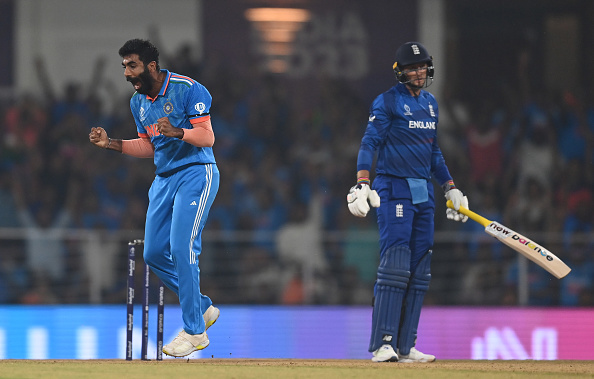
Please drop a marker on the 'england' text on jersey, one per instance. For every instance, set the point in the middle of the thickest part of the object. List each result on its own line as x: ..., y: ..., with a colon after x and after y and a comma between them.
x: 421, y: 124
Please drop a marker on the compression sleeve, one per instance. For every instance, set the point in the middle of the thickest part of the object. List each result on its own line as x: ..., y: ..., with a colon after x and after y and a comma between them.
x: 364, y: 159
x: 438, y: 166
x: 139, y: 148
x: 201, y: 135
x: 377, y: 127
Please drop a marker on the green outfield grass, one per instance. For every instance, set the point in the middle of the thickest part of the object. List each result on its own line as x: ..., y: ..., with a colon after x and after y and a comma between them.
x: 286, y: 368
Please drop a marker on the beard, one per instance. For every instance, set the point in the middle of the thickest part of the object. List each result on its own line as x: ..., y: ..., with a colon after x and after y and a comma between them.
x: 146, y: 82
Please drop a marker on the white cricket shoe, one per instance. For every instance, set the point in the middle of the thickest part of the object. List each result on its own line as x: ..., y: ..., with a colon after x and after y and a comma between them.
x: 385, y: 354
x: 415, y: 356
x: 211, y: 316
x: 185, y: 344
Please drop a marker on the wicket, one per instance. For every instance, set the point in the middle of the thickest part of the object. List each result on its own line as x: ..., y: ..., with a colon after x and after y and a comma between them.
x: 132, y: 246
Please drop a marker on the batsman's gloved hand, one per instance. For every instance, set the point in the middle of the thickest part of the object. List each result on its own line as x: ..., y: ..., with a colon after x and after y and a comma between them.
x: 358, y: 199
x: 458, y: 199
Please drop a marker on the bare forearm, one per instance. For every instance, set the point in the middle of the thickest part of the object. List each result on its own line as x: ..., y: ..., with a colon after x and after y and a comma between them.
x: 114, y: 144
x: 139, y: 148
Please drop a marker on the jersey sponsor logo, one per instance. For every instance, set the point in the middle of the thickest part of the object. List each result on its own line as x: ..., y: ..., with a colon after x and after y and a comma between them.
x: 431, y: 112
x: 200, y: 107
x: 168, y: 107
x: 407, y: 111
x: 142, y: 114
x: 421, y: 124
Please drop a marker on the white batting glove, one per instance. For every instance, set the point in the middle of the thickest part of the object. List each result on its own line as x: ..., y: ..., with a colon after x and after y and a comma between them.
x: 358, y: 199
x: 458, y: 199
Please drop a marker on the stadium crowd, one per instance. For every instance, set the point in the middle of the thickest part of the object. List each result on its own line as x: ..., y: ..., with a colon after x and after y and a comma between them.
x: 282, y: 231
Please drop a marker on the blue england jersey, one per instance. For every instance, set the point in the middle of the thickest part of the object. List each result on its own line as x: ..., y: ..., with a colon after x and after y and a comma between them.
x: 185, y: 102
x: 403, y: 130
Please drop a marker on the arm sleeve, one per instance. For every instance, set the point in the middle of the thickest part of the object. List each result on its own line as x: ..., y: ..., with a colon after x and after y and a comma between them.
x: 374, y: 133
x: 438, y: 166
x: 201, y: 135
x: 139, y: 148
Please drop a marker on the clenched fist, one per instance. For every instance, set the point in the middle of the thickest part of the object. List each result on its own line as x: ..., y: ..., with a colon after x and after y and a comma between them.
x: 98, y: 137
x: 165, y: 128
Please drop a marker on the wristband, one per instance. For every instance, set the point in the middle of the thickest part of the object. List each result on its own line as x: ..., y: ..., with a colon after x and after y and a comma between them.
x: 363, y: 181
x: 449, y: 185
x: 183, y: 133
x: 109, y: 144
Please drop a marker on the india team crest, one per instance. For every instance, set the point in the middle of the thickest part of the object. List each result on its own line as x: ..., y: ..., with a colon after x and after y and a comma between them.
x: 168, y: 107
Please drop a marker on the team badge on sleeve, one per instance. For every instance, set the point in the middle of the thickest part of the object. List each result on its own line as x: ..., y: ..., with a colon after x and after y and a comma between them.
x: 200, y: 107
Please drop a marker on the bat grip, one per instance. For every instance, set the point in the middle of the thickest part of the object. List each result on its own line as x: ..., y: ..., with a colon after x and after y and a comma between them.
x: 467, y: 212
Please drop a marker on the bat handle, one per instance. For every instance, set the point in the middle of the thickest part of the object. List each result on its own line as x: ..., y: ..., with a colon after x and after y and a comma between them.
x: 467, y: 212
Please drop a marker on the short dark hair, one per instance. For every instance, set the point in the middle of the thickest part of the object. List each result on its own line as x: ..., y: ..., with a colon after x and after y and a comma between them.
x: 147, y: 52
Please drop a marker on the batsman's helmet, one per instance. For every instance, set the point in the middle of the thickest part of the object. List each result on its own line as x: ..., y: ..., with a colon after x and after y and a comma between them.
x: 413, y: 53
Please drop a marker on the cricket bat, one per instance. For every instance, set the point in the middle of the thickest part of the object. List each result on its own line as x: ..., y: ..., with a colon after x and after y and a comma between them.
x: 519, y: 243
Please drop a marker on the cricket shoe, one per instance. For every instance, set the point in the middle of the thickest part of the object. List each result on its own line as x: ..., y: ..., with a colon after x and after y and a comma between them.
x: 415, y: 356
x: 185, y: 344
x: 211, y: 316
x: 385, y: 354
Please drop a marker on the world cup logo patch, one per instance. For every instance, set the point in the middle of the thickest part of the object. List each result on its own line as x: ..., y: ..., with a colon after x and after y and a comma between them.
x: 168, y: 107
x: 200, y: 107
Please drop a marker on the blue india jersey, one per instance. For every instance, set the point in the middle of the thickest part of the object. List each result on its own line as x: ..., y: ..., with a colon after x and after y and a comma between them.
x: 402, y: 129
x: 185, y: 102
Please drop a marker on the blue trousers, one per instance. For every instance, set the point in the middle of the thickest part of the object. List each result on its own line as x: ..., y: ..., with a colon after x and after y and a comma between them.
x: 402, y: 223
x: 177, y: 211
x: 406, y: 237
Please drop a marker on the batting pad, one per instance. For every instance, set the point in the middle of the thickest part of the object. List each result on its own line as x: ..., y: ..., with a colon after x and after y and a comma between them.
x: 392, y: 279
x: 418, y: 287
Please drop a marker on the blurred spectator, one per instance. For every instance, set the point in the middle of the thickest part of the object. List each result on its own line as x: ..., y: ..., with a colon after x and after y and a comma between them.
x: 580, y: 280
x: 25, y: 122
x: 573, y: 132
x: 485, y: 147
x: 8, y: 210
x: 44, y: 247
x: 580, y: 216
x: 299, y: 242
x: 529, y: 208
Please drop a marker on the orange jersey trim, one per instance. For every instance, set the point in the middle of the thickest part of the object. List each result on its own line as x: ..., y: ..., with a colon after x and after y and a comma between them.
x: 199, y: 119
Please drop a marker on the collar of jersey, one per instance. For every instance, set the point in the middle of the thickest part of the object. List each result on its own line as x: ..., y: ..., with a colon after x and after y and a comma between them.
x: 404, y: 90
x: 163, y: 88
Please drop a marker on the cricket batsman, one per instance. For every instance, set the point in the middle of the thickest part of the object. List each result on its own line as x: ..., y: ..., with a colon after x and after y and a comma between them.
x: 402, y: 130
